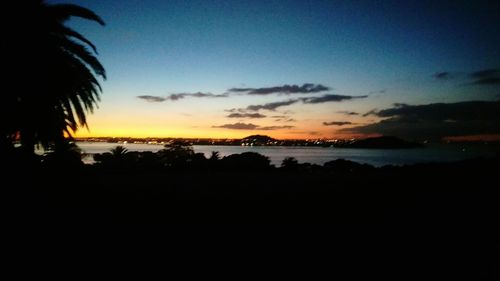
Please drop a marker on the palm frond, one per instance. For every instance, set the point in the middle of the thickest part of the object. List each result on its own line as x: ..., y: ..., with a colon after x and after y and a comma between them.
x: 62, y: 12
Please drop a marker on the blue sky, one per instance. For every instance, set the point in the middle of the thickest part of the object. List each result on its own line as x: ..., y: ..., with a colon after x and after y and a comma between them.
x: 388, y: 50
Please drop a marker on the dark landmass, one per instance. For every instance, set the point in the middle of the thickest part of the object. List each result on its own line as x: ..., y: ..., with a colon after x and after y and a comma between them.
x: 147, y: 187
x: 384, y: 142
x: 436, y: 210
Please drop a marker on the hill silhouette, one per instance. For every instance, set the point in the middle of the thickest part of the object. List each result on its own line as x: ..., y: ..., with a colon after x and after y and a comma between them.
x: 258, y: 140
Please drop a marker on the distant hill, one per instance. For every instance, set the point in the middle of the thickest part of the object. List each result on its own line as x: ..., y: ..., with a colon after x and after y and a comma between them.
x: 382, y: 142
x: 258, y: 140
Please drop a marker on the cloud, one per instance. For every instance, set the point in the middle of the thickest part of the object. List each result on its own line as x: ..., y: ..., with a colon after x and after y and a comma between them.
x: 151, y: 98
x: 435, y: 121
x: 246, y: 115
x: 285, y: 119
x: 337, y: 123
x: 238, y: 126
x: 178, y: 96
x: 307, y: 88
x: 232, y: 110
x: 250, y: 126
x: 371, y: 112
x: 442, y: 75
x: 269, y: 128
x: 486, y: 77
x: 330, y: 98
x: 271, y: 106
x: 350, y: 113
x: 312, y: 100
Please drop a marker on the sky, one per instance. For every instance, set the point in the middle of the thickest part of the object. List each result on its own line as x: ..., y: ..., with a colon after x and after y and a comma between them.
x: 295, y: 69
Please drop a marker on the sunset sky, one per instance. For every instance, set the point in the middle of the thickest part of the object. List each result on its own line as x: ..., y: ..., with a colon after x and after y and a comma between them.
x: 296, y: 69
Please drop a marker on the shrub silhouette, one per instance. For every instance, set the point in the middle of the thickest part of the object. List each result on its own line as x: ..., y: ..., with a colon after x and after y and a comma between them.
x: 346, y: 166
x: 246, y: 161
x: 290, y: 164
x: 65, y: 156
x: 176, y: 155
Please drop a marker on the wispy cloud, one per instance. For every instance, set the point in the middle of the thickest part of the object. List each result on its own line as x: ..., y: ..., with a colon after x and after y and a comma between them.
x: 371, y: 112
x: 349, y: 113
x: 307, y: 88
x: 270, y: 128
x: 238, y: 126
x: 178, y: 96
x: 490, y: 76
x: 151, y: 98
x: 250, y: 126
x: 331, y: 98
x: 272, y: 105
x: 246, y: 115
x: 444, y: 75
x: 337, y: 123
x: 486, y: 77
x: 312, y: 100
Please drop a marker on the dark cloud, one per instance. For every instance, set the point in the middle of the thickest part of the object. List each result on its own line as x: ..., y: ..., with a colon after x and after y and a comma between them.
x: 435, y: 121
x: 330, y: 98
x: 442, y: 75
x: 307, y: 88
x: 250, y: 126
x: 313, y: 100
x: 151, y: 98
x: 345, y: 112
x: 241, y: 110
x: 485, y: 73
x: 238, y: 126
x: 279, y: 116
x: 271, y: 106
x: 486, y: 77
x: 178, y: 96
x: 337, y: 123
x: 290, y: 120
x: 246, y: 115
x: 270, y: 128
x: 371, y: 112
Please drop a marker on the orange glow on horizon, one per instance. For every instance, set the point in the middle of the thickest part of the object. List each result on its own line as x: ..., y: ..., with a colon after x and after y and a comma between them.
x: 202, y: 133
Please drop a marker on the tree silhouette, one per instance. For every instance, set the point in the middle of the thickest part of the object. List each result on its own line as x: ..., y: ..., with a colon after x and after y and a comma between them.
x: 119, y: 151
x: 52, y: 71
x: 214, y: 156
x: 176, y: 154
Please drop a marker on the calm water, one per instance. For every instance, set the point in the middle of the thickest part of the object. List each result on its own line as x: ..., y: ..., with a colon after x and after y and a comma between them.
x: 320, y: 155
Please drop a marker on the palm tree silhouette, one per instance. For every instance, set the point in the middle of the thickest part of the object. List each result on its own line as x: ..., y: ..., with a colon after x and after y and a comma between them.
x: 53, y: 70
x: 119, y: 151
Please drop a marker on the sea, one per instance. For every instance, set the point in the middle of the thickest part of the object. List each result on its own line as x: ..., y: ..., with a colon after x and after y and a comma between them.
x: 320, y: 155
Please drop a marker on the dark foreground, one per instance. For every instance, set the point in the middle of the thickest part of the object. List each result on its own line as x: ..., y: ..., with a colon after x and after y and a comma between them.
x: 446, y: 212
x: 463, y: 193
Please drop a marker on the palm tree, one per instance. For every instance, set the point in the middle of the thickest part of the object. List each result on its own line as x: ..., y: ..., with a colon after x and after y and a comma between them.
x: 119, y: 151
x: 53, y: 70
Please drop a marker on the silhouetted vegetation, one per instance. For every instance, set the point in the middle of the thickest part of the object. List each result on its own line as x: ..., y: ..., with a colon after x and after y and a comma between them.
x: 54, y: 73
